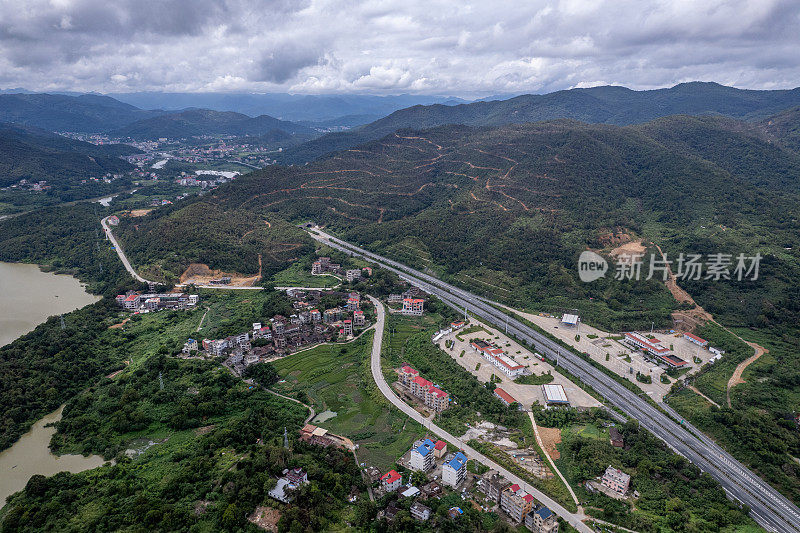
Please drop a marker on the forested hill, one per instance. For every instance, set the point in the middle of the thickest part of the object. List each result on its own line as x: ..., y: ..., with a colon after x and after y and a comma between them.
x: 507, y: 210
x: 33, y: 154
x: 196, y: 122
x: 55, y: 112
x: 606, y: 105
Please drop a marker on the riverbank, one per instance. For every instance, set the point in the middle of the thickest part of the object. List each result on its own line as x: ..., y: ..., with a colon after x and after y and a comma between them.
x: 29, y: 295
x: 31, y: 455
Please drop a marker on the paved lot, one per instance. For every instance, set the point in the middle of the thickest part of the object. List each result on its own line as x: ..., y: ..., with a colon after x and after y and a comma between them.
x: 525, y: 394
x: 597, y: 343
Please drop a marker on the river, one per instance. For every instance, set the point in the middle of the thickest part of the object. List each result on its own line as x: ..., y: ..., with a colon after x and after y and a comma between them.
x: 30, y: 455
x: 28, y: 296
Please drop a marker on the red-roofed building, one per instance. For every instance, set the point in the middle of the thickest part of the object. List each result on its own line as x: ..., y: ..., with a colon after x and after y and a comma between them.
x: 652, y: 346
x: 439, y: 449
x: 516, y: 502
x: 407, y: 374
x: 412, y: 306
x: 695, y: 339
x: 358, y: 318
x: 505, y: 397
x: 423, y: 389
x: 347, y: 327
x: 391, y: 481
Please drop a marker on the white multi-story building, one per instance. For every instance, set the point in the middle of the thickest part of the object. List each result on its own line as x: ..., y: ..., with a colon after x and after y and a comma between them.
x: 454, y: 472
x: 358, y: 318
x: 422, y: 457
x: 391, y: 481
x: 353, y: 275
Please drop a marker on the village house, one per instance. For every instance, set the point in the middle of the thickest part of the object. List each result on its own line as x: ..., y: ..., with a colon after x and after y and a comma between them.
x: 439, y: 449
x: 422, y: 457
x: 420, y: 512
x: 291, y: 480
x: 390, y: 481
x: 358, y: 318
x: 352, y: 275
x: 412, y: 306
x: 492, y: 485
x: 616, y: 480
x: 541, y: 520
x: 454, y: 471
x: 189, y: 346
x: 516, y: 503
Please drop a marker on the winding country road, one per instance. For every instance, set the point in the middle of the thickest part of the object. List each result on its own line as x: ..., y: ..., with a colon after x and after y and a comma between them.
x: 120, y: 253
x: 575, y: 520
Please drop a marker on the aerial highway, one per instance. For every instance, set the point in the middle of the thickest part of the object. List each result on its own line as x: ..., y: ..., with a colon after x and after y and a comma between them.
x: 768, y: 507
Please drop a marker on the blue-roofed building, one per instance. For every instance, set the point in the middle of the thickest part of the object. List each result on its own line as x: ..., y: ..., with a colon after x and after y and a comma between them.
x: 454, y: 471
x: 422, y: 456
x: 542, y: 520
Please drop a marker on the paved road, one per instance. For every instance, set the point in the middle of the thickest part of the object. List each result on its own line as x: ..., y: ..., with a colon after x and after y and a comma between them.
x: 574, y: 519
x: 120, y: 253
x: 767, y: 506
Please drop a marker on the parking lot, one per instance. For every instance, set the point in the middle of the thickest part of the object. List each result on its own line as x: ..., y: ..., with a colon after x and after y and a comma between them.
x: 622, y: 359
x: 524, y: 394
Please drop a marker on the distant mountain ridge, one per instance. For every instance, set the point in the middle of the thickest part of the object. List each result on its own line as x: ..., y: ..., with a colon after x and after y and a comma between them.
x: 86, y: 113
x: 196, y: 122
x: 604, y: 105
x: 293, y: 107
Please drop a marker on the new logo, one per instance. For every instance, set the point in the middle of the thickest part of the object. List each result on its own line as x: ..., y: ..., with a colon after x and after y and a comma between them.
x: 591, y: 266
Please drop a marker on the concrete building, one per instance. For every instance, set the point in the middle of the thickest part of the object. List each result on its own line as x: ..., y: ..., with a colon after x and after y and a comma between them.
x: 695, y: 339
x: 291, y: 480
x: 652, y: 346
x: 554, y: 394
x: 616, y: 480
x: 422, y: 456
x: 492, y: 485
x: 412, y: 306
x: 353, y: 303
x: 498, y: 358
x: 347, y: 327
x: 352, y: 275
x: 504, y: 397
x: 189, y: 346
x: 316, y: 268
x: 454, y: 472
x: 541, y: 520
x: 439, y: 449
x: 391, y: 481
x: 316, y: 316
x: 358, y: 318
x: 431, y: 395
x: 407, y: 374
x: 420, y: 512
x: 516, y: 503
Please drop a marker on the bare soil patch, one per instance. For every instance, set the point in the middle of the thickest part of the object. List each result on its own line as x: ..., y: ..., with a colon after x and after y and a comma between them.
x: 630, y: 249
x: 736, y: 378
x: 201, y: 274
x: 120, y: 325
x: 266, y: 518
x: 551, y: 437
x: 139, y: 212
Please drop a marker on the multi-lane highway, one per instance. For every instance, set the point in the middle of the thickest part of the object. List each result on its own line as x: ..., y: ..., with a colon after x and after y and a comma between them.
x: 768, y: 507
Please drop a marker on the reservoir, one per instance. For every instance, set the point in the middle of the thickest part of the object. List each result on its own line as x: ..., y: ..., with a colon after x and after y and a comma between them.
x: 30, y: 455
x: 28, y: 296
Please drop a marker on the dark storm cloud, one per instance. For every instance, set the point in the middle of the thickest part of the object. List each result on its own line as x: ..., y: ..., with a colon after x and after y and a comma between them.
x: 466, y: 47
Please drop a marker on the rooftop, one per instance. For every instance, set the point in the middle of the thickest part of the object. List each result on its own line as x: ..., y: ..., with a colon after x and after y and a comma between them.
x: 426, y: 447
x: 390, y: 477
x: 504, y: 395
x: 457, y: 462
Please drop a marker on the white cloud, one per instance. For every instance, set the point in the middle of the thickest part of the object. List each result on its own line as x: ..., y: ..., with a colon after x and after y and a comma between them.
x: 381, y: 46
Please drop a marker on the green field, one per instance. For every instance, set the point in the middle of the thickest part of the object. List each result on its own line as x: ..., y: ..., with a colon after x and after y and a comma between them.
x: 298, y: 276
x: 337, y: 378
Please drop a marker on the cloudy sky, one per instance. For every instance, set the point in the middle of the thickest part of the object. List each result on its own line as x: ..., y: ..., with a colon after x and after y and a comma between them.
x: 456, y: 47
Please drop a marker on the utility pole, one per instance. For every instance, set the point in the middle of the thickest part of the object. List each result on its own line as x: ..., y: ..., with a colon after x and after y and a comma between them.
x: 285, y: 438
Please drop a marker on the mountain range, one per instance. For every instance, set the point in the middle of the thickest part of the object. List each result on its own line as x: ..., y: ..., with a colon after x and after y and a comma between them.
x: 604, y: 105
